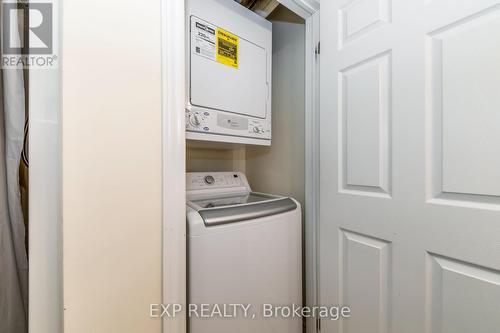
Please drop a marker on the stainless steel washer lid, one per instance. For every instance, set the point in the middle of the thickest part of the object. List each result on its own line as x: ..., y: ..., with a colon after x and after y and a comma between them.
x: 231, y: 200
x: 244, y: 212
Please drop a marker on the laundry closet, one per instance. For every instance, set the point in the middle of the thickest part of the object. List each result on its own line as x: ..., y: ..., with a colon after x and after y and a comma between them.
x: 245, y: 122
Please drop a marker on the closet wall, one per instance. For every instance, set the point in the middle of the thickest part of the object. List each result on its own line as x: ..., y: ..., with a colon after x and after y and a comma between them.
x: 279, y: 169
x: 203, y: 157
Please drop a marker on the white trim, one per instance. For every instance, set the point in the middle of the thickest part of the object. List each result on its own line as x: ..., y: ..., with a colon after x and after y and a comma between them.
x: 45, y: 251
x: 45, y: 231
x: 303, y: 8
x: 312, y: 165
x: 174, y: 191
x: 224, y: 138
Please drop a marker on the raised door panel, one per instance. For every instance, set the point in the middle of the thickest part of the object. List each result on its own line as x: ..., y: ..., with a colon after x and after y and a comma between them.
x: 364, y: 113
x: 464, y: 77
x: 359, y: 17
x: 365, y: 282
x: 463, y: 297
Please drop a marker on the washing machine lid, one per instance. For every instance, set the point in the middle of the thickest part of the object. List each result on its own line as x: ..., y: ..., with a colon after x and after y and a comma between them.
x: 245, y: 198
x: 233, y: 209
x: 226, y: 197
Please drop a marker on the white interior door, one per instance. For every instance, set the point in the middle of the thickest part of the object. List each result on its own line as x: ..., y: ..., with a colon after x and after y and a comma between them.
x: 410, y: 165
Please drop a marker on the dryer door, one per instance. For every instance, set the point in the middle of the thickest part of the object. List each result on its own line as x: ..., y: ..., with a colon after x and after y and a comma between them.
x: 228, y: 73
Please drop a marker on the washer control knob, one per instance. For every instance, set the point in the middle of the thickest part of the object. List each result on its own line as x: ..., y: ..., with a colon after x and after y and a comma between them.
x: 194, y: 120
x: 209, y: 180
x: 256, y: 130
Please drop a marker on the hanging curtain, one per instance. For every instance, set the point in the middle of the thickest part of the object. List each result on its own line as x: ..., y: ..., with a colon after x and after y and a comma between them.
x: 13, y: 256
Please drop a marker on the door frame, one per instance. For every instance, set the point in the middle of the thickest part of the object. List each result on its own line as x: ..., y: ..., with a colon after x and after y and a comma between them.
x: 45, y: 216
x: 173, y: 150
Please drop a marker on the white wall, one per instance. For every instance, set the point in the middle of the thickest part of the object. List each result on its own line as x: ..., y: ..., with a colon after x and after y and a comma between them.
x: 280, y: 168
x: 111, y: 161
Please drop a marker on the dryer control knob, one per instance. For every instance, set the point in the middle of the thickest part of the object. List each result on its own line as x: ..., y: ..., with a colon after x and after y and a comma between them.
x: 194, y: 120
x: 256, y: 130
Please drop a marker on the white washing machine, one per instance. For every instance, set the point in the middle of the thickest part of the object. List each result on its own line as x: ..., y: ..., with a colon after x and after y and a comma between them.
x: 243, y: 248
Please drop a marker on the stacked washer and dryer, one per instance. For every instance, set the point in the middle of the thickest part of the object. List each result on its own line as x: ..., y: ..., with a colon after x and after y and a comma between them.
x: 243, y: 247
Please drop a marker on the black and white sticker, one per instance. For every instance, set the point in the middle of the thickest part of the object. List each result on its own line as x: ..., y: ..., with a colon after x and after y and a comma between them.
x: 203, y: 38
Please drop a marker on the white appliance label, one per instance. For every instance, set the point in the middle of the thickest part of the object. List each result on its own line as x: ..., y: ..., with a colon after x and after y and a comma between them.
x: 203, y: 38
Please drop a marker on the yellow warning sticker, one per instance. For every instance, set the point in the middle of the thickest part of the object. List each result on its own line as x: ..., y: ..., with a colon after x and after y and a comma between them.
x: 227, y: 48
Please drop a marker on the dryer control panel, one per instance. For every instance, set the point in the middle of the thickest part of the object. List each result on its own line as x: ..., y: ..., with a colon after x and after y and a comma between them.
x: 217, y: 122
